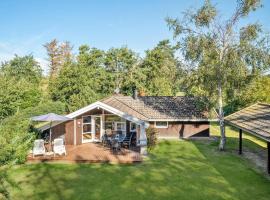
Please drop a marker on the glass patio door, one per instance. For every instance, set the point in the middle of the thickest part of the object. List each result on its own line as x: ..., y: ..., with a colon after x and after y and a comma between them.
x: 97, y: 128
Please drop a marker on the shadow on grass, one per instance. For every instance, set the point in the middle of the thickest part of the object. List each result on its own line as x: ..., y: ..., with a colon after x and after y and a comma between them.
x: 236, y: 169
x: 177, y: 170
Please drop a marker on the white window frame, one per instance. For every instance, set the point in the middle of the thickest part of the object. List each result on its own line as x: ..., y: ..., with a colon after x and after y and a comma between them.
x: 87, y: 123
x: 124, y: 123
x: 130, y: 127
x: 157, y: 126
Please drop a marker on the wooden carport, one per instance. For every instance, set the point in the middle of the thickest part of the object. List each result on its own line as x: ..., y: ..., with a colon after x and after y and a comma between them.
x: 254, y: 120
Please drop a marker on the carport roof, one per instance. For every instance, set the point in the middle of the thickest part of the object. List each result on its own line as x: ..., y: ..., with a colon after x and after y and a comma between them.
x: 254, y: 119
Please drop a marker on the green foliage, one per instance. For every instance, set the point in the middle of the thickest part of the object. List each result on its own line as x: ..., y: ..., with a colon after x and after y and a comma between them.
x: 221, y: 56
x: 161, y: 69
x: 25, y: 68
x: 151, y: 134
x: 16, y: 138
x: 205, y: 14
x: 246, y: 6
x: 83, y: 82
x: 122, y: 65
x: 96, y: 74
x: 250, y: 32
x: 16, y: 95
x: 257, y: 90
x: 19, y: 85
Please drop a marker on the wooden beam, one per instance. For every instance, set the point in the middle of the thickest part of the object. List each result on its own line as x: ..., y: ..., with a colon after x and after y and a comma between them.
x: 268, y: 157
x: 240, y: 141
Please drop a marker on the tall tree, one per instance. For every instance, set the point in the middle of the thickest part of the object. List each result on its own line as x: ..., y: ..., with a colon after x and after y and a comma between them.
x: 82, y: 82
x: 161, y: 70
x: 54, y: 57
x: 58, y: 55
x: 22, y: 68
x: 65, y: 52
x: 215, y: 48
x: 19, y: 85
x: 120, y: 63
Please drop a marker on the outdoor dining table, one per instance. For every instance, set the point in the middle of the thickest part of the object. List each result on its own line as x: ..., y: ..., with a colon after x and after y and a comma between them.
x: 116, y: 140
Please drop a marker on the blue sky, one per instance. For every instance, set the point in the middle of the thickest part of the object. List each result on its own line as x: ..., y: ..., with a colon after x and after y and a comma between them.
x: 27, y: 24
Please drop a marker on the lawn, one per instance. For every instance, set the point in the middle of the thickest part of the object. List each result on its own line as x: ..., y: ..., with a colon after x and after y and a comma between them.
x: 175, y: 170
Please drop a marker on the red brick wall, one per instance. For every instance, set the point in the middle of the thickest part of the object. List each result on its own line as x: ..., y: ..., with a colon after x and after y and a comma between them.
x: 184, y: 129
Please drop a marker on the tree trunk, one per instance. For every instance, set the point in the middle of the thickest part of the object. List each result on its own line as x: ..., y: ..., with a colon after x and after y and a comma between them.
x: 221, y: 119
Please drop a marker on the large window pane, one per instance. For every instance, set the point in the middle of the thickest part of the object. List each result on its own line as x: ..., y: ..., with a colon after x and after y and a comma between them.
x: 108, y: 125
x: 132, y: 127
x: 86, y: 119
x: 86, y: 128
x: 120, y: 126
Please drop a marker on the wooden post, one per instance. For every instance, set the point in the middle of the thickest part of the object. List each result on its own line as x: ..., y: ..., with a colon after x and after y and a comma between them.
x: 268, y: 157
x: 240, y: 141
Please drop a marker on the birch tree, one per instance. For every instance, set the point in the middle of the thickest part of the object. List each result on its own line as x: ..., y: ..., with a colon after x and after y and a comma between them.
x: 219, y: 51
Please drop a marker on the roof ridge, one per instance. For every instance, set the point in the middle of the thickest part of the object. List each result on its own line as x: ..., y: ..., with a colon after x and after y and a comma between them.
x: 131, y: 107
x: 110, y: 96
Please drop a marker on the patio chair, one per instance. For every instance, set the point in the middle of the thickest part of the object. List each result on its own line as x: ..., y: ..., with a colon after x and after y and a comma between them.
x: 127, y: 140
x: 59, y: 147
x: 105, y: 140
x: 115, y: 145
x: 39, y: 148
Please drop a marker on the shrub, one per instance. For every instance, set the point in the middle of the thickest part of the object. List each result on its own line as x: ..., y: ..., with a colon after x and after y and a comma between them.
x: 17, y: 136
x: 151, y: 134
x: 17, y: 133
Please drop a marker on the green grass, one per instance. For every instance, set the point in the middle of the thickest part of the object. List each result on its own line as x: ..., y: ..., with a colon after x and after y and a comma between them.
x: 188, y: 170
x: 232, y: 134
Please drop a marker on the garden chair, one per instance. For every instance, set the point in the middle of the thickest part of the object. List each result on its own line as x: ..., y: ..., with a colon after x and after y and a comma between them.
x: 59, y: 147
x: 127, y: 140
x: 105, y: 140
x: 39, y: 148
x: 116, y: 146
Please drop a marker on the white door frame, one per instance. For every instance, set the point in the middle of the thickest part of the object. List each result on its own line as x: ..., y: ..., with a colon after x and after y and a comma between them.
x: 94, y: 128
x: 93, y: 132
x: 86, y: 140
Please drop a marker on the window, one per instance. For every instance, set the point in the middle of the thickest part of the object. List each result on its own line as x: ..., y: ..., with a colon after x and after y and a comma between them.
x: 132, y: 127
x: 115, y: 123
x: 120, y: 126
x: 161, y: 124
x: 87, y: 126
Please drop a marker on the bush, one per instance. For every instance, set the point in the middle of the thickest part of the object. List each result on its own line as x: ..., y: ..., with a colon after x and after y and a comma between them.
x: 151, y: 134
x: 17, y: 133
x: 17, y: 137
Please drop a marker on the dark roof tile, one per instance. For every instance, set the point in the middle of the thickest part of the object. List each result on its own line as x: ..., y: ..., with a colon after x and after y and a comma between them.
x: 255, y: 119
x: 158, y: 107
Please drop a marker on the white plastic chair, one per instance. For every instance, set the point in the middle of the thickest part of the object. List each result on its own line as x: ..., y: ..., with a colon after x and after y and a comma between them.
x: 39, y: 148
x: 59, y: 147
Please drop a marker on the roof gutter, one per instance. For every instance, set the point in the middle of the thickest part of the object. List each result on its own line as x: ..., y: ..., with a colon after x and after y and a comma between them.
x: 183, y: 120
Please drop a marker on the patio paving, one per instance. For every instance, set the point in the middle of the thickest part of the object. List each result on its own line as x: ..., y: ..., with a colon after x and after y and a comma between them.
x: 90, y: 153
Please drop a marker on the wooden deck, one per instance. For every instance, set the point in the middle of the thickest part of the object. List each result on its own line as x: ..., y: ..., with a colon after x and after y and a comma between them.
x: 90, y: 153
